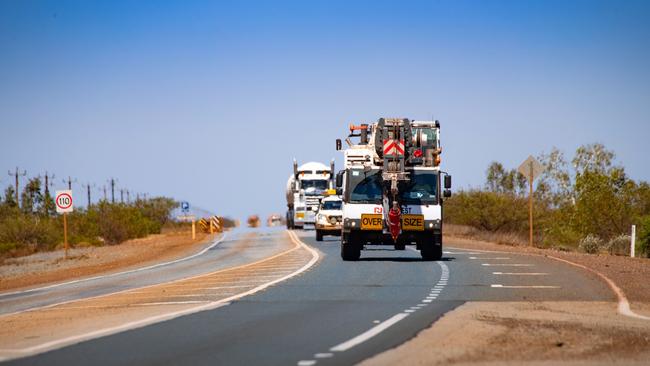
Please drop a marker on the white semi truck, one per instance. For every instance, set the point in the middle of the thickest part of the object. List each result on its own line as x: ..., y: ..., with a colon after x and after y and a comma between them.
x: 391, y: 187
x: 305, y: 188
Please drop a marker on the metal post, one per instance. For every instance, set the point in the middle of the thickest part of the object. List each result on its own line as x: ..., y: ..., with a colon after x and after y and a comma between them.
x: 65, y: 233
x: 633, y: 241
x: 530, y: 205
x: 193, y: 229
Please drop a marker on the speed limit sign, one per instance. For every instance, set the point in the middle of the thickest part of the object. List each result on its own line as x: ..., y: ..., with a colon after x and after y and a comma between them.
x: 63, y: 201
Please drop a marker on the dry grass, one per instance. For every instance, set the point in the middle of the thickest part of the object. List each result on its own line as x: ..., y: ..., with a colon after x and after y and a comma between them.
x: 468, y: 232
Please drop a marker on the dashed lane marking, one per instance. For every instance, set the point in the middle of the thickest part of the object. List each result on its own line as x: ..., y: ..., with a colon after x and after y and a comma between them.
x: 507, y: 265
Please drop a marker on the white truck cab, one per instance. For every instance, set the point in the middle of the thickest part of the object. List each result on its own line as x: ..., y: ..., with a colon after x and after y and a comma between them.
x: 305, y: 188
x: 391, y: 188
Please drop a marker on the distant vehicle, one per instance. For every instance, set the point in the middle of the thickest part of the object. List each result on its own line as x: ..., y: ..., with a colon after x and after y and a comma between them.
x: 274, y: 220
x: 253, y: 221
x: 305, y: 188
x: 329, y: 216
x: 392, y: 187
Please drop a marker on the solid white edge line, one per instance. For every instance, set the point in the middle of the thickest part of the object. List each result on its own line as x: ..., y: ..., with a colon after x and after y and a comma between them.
x: 52, y: 345
x: 623, y: 303
x: 369, y: 333
x: 203, y: 251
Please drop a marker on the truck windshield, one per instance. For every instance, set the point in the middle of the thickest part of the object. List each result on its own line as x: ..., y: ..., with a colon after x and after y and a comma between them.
x: 421, y: 188
x: 365, y: 187
x: 314, y: 186
x: 331, y: 205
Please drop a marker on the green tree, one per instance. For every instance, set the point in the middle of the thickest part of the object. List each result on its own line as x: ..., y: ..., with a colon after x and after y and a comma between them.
x: 10, y: 197
x: 32, y: 198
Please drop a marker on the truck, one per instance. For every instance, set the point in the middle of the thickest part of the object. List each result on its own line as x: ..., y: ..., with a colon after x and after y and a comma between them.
x: 391, y: 187
x: 305, y: 188
x: 329, y: 216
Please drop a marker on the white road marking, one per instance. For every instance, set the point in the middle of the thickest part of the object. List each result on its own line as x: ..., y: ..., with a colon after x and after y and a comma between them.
x: 205, y: 250
x: 306, y: 363
x: 324, y: 355
x: 409, y: 311
x: 376, y: 321
x: 623, y: 303
x: 171, y: 303
x: 58, y: 343
x: 222, y: 287
x: 507, y: 265
x: 534, y: 286
x: 369, y: 333
x: 520, y: 273
x: 427, y: 301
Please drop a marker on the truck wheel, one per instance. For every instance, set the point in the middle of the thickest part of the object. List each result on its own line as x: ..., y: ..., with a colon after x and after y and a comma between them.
x: 319, y: 235
x: 431, y: 252
x: 350, y: 251
x: 400, y: 246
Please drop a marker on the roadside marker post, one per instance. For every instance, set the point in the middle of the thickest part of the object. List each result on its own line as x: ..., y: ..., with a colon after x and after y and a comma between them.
x: 187, y: 218
x: 531, y: 169
x: 64, y: 204
x: 633, y: 241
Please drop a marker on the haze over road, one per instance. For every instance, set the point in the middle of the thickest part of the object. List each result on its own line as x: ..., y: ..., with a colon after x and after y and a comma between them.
x: 334, y: 313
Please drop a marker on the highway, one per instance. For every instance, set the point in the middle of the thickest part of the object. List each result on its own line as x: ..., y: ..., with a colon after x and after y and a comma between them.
x: 332, y: 313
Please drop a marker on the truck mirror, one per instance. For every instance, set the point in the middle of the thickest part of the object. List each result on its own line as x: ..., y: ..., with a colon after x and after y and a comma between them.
x: 447, y: 181
x: 339, y: 179
x: 338, y: 145
x: 446, y: 193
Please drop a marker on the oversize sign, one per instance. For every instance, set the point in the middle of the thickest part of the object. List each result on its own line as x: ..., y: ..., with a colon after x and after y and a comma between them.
x: 63, y: 201
x: 413, y: 222
x: 372, y: 222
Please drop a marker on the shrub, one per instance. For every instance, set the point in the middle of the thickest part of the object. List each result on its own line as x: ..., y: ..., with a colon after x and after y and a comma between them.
x: 591, y: 244
x: 619, y: 245
x: 643, y: 237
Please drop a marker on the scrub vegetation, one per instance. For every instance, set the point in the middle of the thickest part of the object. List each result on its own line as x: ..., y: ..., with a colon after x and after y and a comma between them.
x: 34, y: 225
x: 587, y: 204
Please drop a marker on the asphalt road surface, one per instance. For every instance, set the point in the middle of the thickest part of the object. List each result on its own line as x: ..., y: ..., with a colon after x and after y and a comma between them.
x: 337, y: 313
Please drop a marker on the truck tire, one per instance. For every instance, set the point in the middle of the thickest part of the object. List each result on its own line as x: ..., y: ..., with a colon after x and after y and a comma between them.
x: 431, y: 252
x: 350, y: 251
x: 400, y: 246
x: 319, y: 235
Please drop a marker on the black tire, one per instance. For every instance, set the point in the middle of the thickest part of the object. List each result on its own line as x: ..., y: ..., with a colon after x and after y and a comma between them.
x: 431, y: 252
x: 319, y: 235
x: 400, y: 246
x: 350, y: 251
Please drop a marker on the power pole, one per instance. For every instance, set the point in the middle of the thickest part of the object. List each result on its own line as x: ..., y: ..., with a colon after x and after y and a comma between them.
x: 47, y: 183
x: 128, y: 196
x: 113, y: 190
x: 122, y: 195
x: 88, y: 186
x: 17, y: 174
x: 70, y: 181
x: 104, y: 192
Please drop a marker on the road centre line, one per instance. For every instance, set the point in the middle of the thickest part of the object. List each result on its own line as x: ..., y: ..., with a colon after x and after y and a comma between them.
x: 369, y: 333
x: 55, y: 344
x: 205, y: 250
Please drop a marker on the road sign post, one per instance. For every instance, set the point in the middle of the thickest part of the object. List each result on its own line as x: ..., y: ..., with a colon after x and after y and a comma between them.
x: 531, y: 169
x: 64, y: 204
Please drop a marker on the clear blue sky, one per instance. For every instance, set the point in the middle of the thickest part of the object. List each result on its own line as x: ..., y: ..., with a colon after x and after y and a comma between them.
x: 209, y: 101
